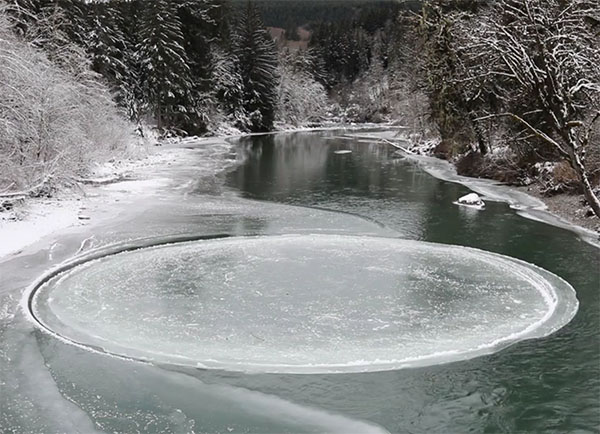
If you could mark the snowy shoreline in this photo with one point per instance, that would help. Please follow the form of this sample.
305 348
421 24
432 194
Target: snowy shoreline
525 202
38 218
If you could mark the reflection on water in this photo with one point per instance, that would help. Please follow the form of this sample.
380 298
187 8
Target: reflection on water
547 384
296 184
303 169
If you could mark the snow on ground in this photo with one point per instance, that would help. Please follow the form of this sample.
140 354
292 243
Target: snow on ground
141 172
125 178
38 218
564 211
41 218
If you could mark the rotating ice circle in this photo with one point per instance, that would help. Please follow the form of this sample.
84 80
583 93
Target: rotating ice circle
306 303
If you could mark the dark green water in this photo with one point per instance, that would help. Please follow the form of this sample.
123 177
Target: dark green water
544 385
296 184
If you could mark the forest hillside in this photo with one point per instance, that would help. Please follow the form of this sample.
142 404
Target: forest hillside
508 89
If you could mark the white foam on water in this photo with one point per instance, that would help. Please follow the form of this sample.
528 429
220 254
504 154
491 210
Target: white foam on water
303 303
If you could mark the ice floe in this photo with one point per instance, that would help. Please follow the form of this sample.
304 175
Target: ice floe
303 303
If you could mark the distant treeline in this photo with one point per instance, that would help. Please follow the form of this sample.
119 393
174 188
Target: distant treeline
477 74
181 63
285 13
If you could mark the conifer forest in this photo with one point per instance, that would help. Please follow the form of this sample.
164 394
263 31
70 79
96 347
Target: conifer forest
516 74
299 216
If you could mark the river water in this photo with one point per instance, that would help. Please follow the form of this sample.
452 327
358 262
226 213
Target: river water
289 208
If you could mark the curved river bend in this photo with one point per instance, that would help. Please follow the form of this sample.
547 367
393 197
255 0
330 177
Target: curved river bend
345 267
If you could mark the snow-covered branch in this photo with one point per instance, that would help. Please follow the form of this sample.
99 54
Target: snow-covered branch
53 121
544 57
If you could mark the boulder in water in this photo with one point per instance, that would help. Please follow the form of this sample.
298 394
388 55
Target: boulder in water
471 200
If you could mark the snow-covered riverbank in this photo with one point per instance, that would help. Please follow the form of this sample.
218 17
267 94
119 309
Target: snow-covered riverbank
37 218
130 179
118 180
564 211
201 191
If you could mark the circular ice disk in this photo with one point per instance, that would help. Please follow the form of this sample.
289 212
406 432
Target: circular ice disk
303 303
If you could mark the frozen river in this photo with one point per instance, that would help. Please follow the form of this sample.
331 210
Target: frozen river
278 284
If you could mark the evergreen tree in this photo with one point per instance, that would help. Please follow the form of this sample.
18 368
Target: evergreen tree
222 14
257 56
106 44
128 17
199 29
343 48
113 54
164 67
228 86
75 12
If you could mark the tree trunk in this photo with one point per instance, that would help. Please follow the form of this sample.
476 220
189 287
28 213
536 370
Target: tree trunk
593 201
480 135
588 191
159 117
